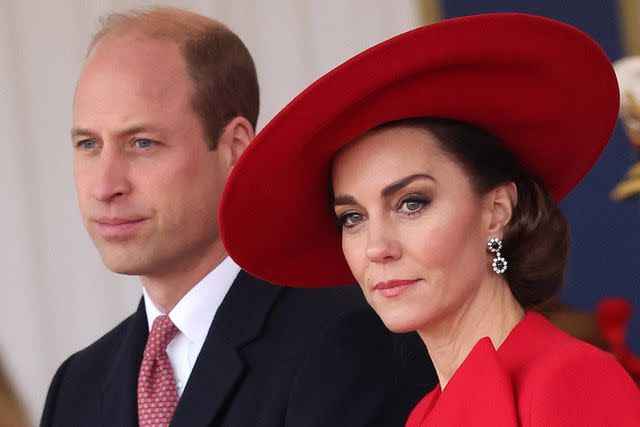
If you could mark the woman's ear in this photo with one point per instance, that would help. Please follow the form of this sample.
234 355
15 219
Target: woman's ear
235 137
501 202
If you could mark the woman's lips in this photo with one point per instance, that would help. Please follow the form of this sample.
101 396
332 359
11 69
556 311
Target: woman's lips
392 288
118 228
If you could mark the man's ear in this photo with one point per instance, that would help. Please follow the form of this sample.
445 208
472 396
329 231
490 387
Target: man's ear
501 202
235 137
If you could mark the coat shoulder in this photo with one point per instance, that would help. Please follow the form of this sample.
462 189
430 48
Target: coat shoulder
572 382
78 383
103 347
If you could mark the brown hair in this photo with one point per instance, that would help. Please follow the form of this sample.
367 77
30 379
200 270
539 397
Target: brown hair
11 411
219 64
536 240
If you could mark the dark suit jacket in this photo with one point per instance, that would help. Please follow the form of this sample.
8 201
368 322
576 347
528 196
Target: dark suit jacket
274 356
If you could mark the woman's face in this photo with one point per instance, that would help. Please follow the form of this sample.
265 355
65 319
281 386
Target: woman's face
414 232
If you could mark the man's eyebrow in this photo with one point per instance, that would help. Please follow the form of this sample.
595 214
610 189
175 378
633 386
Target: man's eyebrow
76 132
137 128
130 130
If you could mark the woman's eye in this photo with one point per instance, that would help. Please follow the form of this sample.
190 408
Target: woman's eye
411 206
144 143
351 219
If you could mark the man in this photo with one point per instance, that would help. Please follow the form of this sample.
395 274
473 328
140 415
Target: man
166 102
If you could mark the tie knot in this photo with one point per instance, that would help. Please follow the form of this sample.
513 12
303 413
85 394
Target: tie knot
162 332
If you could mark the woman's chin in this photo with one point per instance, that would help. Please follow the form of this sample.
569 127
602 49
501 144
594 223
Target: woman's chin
400 323
402 316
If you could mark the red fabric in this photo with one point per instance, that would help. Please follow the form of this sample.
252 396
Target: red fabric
157 392
540 376
613 315
543 87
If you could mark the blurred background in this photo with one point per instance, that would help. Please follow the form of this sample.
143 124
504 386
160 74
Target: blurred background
57 297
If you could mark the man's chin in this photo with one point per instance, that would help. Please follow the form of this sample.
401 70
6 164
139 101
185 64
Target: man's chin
126 266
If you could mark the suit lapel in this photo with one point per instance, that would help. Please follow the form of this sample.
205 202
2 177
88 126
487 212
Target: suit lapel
119 403
219 367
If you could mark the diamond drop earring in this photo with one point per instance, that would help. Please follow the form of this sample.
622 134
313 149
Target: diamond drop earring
499 264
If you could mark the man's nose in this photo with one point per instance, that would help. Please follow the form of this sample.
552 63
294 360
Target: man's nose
111 176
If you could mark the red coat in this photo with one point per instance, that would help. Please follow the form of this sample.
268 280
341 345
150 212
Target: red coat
541 377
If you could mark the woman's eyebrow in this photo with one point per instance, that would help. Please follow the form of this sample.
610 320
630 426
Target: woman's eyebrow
403 182
387 191
344 200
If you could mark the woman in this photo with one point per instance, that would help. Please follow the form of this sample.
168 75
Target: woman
441 154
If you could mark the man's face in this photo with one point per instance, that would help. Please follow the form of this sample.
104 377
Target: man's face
147 184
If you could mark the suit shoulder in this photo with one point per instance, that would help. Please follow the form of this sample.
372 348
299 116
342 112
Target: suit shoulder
344 342
327 302
339 320
78 380
107 342
93 360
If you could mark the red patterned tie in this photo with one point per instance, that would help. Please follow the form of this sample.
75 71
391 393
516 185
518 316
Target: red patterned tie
157 393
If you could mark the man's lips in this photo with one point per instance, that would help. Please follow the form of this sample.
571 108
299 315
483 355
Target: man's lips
392 288
116 227
116 220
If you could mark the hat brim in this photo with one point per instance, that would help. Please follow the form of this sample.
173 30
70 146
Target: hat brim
543 87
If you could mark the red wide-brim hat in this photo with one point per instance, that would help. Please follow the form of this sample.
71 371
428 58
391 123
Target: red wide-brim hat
543 87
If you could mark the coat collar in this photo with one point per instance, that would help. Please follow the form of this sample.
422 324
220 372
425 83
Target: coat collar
219 367
485 380
119 402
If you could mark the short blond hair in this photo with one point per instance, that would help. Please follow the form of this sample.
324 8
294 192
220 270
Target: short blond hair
218 63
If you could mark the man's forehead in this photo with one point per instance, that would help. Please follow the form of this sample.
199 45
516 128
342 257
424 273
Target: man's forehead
133 48
132 68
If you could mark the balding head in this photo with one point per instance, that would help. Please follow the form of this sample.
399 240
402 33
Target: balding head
221 69
157 23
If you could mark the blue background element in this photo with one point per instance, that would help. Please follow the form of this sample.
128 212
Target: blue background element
605 253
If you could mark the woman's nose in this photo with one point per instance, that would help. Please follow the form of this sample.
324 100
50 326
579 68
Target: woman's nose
382 246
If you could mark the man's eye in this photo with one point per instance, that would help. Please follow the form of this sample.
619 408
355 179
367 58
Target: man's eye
144 143
87 144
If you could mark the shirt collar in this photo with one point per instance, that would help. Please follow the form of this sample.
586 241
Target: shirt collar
195 311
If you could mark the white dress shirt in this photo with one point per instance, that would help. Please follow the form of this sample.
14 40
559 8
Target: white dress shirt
193 316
